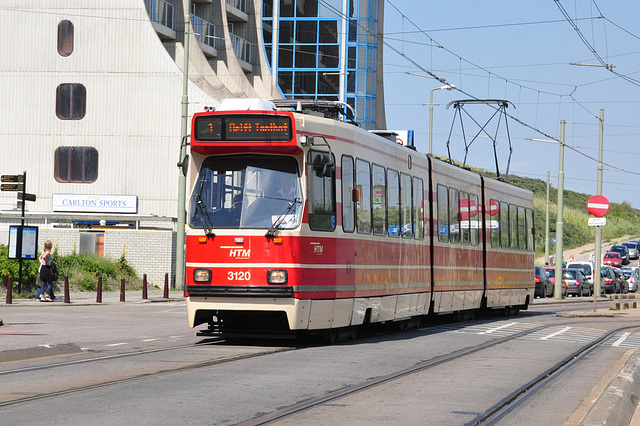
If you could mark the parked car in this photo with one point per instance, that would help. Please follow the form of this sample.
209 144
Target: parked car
544 286
610 281
634 249
577 283
624 284
587 268
633 276
551 273
624 252
612 258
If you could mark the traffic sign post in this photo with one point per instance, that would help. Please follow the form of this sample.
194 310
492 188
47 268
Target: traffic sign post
18 183
598 205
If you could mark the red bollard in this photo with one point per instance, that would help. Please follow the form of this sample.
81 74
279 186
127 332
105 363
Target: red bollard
67 298
144 286
166 286
122 289
9 290
99 290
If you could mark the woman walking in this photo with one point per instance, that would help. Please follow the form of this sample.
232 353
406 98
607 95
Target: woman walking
45 272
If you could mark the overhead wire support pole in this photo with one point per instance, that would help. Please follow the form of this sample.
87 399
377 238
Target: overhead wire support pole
598 244
182 179
557 292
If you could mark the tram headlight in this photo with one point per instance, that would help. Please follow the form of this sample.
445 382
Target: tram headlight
277 276
202 275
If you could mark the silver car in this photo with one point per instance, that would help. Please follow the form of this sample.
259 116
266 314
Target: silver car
634 250
633 277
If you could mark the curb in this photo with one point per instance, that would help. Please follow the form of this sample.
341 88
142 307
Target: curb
617 405
39 352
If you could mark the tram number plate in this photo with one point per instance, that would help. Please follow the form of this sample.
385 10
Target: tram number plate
239 275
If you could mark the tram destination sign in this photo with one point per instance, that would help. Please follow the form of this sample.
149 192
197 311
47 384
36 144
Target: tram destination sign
243 128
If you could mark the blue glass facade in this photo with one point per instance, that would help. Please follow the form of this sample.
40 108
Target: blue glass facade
325 49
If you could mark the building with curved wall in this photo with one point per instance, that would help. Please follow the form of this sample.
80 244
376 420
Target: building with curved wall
92 95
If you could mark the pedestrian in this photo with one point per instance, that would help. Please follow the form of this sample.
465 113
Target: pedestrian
45 272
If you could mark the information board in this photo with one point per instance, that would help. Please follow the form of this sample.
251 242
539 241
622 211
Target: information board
23 242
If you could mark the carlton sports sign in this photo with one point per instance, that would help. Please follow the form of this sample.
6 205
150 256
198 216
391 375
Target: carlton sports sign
598 205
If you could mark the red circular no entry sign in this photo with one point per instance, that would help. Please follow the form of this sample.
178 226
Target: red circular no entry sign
598 205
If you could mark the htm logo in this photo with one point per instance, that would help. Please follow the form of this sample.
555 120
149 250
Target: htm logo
240 253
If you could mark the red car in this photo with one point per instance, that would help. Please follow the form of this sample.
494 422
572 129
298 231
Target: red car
551 273
612 258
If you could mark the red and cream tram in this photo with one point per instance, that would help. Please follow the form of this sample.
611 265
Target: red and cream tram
299 222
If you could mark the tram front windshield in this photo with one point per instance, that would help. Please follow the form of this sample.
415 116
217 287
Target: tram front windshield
246 192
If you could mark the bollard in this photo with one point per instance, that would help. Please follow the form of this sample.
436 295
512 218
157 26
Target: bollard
122 289
166 285
99 290
9 290
144 286
67 298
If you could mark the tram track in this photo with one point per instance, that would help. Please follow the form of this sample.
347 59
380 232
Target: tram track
492 415
132 378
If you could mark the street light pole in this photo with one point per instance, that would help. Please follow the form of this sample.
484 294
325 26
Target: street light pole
559 220
448 87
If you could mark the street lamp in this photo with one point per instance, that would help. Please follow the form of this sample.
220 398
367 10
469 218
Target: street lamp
448 87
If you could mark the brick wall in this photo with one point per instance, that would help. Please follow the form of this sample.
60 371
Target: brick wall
150 252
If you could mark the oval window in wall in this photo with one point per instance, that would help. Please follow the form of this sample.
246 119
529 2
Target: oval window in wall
65 38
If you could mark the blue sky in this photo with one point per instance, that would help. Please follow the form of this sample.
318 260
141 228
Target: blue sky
521 52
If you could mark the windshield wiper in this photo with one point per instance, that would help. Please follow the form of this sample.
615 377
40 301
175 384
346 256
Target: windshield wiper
278 222
201 211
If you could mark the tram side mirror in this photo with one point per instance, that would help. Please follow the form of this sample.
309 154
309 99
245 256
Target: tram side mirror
184 165
355 195
327 169
318 164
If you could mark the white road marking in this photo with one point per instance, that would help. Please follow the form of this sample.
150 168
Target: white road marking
117 344
499 328
621 339
557 333
149 340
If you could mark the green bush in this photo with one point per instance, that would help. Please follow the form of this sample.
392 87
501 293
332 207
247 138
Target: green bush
82 271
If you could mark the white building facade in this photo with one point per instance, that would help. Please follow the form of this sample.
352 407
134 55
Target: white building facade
91 112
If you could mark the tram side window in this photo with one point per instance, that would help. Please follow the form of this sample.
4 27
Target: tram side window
363 203
464 215
443 213
379 199
521 229
405 202
321 188
530 228
504 224
454 221
474 219
418 208
393 202
348 224
494 222
513 226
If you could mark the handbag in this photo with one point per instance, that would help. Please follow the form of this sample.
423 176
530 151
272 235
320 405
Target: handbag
45 273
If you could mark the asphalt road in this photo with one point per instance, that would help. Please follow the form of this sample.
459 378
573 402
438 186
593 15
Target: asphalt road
139 363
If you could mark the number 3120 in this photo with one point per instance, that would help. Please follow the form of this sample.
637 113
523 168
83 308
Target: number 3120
239 276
